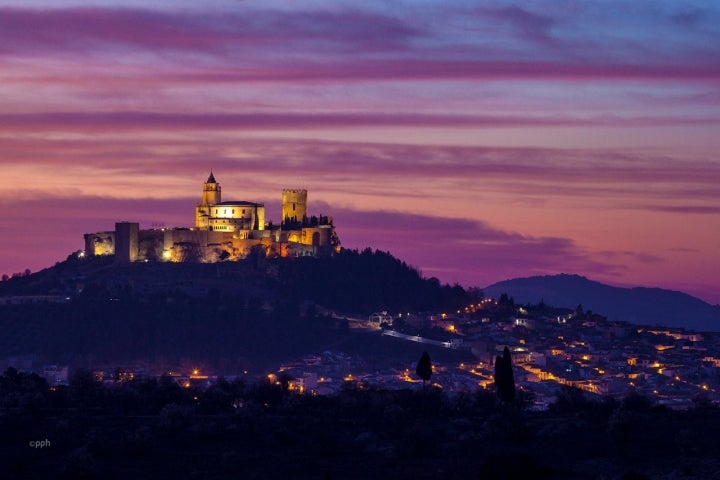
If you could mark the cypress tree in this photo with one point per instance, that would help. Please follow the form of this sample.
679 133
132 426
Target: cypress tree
424 368
504 378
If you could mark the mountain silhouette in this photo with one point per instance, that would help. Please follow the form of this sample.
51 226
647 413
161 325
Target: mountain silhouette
639 305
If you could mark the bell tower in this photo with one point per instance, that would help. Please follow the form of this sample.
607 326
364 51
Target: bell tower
211 191
210 196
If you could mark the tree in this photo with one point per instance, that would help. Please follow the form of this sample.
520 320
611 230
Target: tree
424 368
506 301
504 379
84 390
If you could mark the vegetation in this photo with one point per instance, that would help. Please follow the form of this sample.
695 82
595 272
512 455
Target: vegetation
504 379
234 314
98 327
153 428
424 368
367 281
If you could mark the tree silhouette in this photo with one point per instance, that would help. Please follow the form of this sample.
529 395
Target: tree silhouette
424 368
504 379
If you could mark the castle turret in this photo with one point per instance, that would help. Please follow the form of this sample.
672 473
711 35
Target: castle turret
294 205
126 242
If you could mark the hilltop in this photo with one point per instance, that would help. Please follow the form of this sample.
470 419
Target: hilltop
352 281
639 305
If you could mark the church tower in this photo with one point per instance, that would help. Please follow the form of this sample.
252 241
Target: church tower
210 196
211 191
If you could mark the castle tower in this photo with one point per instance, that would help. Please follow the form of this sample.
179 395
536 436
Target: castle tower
126 242
210 196
294 205
211 191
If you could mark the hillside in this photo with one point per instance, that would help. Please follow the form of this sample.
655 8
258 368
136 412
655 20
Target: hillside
642 306
231 314
353 281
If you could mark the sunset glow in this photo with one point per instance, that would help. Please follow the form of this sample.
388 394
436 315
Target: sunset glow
477 142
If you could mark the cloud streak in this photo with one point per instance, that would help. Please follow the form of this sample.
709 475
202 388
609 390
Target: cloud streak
134 121
463 250
350 45
624 180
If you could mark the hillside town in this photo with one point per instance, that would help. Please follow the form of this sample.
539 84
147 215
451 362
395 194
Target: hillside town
550 347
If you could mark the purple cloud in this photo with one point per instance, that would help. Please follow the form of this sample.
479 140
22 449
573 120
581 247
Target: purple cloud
461 250
620 180
138 120
352 45
73 30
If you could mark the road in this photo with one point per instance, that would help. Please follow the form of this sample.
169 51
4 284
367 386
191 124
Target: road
419 339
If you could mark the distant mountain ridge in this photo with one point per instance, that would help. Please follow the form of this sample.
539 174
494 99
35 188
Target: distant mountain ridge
639 305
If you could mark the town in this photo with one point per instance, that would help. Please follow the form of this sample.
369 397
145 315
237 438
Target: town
550 348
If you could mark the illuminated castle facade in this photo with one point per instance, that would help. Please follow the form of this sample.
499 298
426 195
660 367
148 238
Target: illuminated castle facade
214 214
224 230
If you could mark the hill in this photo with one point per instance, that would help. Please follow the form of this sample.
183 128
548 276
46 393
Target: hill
353 281
230 314
639 305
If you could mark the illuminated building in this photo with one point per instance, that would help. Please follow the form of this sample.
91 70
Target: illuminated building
224 230
214 214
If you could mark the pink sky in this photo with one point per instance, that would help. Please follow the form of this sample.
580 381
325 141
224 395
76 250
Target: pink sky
476 143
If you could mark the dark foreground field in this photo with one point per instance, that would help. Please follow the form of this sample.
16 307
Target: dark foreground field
155 429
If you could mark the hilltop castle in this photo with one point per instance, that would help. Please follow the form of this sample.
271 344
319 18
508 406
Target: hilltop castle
224 230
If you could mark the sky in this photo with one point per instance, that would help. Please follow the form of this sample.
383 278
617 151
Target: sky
477 141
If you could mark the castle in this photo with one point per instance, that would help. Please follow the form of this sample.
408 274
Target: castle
224 230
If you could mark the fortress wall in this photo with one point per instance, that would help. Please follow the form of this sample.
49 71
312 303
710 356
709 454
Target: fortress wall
258 234
291 236
151 244
317 236
202 216
300 250
205 245
99 243
230 249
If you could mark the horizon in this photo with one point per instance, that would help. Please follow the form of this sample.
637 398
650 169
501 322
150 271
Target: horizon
477 144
